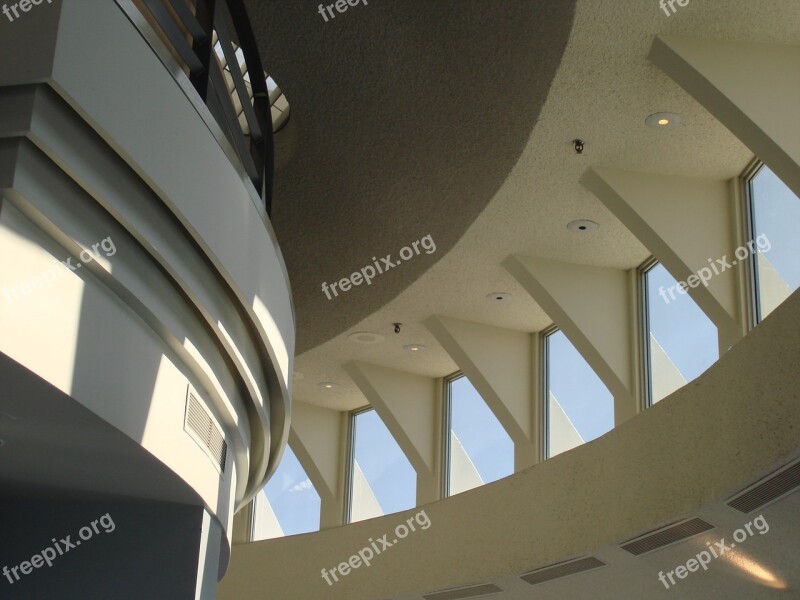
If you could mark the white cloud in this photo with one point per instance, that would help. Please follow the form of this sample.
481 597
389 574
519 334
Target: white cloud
302 486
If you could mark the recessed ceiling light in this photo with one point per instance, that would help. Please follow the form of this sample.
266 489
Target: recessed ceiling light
414 347
366 337
663 119
582 225
328 385
499 296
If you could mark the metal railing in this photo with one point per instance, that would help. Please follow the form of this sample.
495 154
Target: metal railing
214 44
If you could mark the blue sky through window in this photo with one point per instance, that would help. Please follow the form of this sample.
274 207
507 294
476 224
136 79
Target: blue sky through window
390 475
684 331
485 441
776 213
292 496
580 392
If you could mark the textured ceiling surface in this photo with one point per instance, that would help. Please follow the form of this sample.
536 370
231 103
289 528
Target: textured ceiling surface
604 89
407 117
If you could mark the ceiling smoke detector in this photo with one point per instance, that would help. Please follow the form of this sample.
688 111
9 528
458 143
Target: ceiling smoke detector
499 296
366 337
582 225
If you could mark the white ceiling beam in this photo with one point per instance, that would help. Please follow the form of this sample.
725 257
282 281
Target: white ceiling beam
690 226
500 364
318 437
595 308
752 89
409 406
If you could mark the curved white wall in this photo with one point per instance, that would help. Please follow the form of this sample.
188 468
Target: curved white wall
99 142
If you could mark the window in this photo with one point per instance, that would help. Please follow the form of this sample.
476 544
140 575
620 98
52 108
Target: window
681 341
579 406
288 504
279 106
382 481
478 448
775 215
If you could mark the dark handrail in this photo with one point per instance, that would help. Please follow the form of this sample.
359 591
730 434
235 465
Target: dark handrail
189 28
249 46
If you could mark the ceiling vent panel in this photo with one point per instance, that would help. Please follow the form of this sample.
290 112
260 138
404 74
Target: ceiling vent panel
473 591
562 569
202 427
769 489
666 536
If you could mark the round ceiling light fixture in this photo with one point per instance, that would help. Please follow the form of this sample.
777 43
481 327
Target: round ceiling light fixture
414 347
499 296
366 337
663 119
328 385
582 225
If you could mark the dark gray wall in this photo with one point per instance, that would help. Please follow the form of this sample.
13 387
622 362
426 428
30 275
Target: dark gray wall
151 553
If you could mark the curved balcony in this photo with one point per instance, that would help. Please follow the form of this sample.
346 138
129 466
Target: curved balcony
709 458
145 298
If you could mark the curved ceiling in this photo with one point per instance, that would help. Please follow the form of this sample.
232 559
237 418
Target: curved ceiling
407 117
604 89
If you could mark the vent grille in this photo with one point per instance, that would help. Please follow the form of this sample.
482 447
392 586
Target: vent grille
472 591
562 569
205 431
768 489
666 536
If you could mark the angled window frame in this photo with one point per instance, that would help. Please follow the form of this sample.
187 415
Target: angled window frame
544 365
351 460
447 424
643 331
751 294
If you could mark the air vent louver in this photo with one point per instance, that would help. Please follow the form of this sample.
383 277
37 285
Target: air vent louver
666 536
472 591
205 431
562 569
768 489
